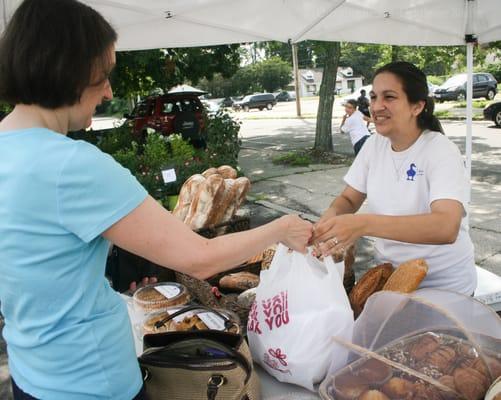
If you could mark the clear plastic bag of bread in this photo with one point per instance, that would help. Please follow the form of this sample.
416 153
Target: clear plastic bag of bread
430 344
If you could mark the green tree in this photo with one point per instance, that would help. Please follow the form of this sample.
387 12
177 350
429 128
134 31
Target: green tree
138 73
273 74
305 52
323 133
246 80
361 57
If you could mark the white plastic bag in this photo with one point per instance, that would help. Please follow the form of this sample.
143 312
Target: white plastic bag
300 304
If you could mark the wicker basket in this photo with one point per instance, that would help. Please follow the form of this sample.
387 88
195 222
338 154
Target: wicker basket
202 290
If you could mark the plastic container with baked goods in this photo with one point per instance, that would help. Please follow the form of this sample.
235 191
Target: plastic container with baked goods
160 296
431 344
189 318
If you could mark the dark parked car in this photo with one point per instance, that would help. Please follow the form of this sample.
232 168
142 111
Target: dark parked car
170 113
227 102
493 113
259 101
454 88
286 96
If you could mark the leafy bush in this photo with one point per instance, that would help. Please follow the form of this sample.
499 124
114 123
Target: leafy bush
116 139
223 143
146 161
495 70
436 79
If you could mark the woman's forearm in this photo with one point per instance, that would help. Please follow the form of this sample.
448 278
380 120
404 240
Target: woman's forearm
342 205
228 251
432 228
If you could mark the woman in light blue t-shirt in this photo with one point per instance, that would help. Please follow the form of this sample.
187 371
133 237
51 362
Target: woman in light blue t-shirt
62 202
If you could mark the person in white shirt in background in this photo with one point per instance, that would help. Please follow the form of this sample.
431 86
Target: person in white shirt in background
354 124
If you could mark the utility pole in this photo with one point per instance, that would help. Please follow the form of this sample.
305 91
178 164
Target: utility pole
296 78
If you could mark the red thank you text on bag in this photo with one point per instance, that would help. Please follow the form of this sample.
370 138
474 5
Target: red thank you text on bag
300 304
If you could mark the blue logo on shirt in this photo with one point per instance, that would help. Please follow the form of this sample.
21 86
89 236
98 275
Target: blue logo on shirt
411 172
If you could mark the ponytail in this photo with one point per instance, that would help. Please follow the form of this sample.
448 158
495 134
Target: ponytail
426 120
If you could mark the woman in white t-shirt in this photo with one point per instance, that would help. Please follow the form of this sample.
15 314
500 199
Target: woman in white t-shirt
414 180
354 123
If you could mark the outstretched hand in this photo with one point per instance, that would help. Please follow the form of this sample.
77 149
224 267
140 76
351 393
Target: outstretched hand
297 233
336 233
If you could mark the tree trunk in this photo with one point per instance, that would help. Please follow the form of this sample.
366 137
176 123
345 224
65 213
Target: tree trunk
395 53
323 133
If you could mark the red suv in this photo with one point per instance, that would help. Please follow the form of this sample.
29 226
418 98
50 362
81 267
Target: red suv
170 113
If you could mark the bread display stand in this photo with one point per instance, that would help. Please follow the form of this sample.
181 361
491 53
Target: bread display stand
271 388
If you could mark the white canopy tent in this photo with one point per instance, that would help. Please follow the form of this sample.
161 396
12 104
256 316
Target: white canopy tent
184 23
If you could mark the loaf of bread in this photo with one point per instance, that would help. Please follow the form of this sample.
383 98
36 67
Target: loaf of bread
190 187
242 186
207 197
209 172
239 281
372 281
227 200
227 172
407 276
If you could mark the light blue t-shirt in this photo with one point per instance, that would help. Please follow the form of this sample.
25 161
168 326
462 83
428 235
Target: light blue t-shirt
67 332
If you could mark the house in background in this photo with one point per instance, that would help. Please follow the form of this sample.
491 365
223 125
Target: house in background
310 80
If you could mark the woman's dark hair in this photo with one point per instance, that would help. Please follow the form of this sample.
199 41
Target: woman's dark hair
415 87
50 51
352 102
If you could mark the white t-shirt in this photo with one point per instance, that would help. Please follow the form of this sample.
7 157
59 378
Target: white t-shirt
406 183
356 127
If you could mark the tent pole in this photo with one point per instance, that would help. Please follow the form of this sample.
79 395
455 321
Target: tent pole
469 111
296 78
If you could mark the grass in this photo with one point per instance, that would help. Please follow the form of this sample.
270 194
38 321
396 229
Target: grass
293 159
444 114
303 158
475 104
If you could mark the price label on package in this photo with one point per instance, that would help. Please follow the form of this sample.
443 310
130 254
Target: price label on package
169 175
212 321
168 291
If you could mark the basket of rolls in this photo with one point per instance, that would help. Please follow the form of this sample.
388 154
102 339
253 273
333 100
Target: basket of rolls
430 344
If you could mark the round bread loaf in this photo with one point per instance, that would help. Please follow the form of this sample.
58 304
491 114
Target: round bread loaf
372 281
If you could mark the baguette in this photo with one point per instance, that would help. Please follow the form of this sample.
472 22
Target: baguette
407 276
186 194
372 281
207 197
